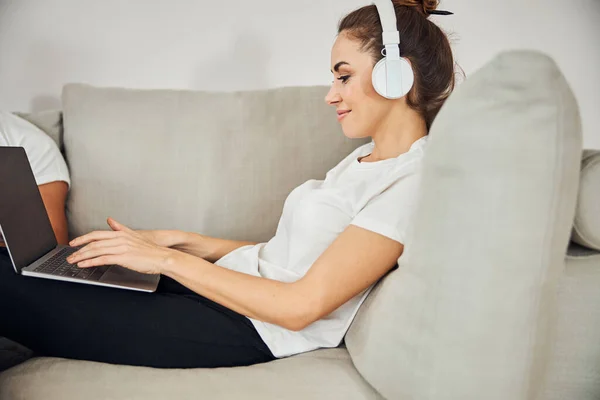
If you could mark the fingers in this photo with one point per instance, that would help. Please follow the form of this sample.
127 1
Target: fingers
95 249
102 260
117 226
93 236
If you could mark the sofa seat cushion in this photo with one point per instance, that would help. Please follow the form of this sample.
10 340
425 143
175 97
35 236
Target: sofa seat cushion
573 367
321 374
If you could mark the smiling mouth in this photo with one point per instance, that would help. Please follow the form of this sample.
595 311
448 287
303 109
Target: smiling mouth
342 115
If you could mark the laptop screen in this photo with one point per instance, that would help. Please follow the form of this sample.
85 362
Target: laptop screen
23 219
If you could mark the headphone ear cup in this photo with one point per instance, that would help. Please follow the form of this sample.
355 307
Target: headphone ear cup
401 78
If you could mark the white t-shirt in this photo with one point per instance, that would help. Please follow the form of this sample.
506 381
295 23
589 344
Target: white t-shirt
47 163
379 196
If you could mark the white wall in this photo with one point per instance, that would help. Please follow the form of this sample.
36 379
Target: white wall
199 44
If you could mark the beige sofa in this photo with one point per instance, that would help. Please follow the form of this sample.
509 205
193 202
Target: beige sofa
487 302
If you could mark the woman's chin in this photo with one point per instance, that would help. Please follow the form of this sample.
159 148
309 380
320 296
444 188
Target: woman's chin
347 134
351 133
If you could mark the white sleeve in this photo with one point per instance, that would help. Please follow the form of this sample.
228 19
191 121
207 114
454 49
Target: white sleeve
46 161
390 212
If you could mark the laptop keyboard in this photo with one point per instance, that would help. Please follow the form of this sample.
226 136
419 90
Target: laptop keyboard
58 265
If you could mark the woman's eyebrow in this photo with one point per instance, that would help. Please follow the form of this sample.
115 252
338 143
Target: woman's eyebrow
337 66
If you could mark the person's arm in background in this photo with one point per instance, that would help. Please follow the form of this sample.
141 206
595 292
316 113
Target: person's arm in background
47 164
54 195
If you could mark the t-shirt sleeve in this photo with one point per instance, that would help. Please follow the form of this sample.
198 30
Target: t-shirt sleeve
390 212
45 158
47 162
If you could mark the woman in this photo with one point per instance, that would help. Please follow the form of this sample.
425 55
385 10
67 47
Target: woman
229 303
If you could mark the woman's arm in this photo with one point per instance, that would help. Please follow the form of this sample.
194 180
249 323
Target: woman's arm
209 248
356 259
54 195
353 262
256 297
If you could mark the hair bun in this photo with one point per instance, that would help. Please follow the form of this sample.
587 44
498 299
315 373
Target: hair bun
423 6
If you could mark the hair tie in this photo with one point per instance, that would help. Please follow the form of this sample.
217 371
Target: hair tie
440 12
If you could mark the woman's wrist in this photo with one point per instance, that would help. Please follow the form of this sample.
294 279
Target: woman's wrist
170 261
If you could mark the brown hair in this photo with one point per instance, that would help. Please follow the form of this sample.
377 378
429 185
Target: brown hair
421 41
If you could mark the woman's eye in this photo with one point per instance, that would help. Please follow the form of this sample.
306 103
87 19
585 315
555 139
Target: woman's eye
344 78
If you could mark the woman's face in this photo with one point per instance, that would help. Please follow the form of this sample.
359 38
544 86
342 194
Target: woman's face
352 90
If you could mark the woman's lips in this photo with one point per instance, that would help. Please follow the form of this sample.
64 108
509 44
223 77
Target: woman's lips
342 115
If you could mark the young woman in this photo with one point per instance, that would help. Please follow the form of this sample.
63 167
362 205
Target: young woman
230 303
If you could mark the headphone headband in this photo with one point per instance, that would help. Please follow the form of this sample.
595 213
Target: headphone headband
392 76
387 15
390 36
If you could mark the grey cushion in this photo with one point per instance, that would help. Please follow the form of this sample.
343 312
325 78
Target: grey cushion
322 374
586 226
220 164
469 312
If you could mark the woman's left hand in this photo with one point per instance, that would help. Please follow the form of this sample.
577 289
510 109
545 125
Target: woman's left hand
122 246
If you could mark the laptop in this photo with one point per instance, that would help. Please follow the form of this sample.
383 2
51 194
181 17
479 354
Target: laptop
30 239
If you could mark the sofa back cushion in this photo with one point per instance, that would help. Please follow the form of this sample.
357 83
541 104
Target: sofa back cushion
586 226
469 312
219 164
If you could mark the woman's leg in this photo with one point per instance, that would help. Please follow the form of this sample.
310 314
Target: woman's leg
172 328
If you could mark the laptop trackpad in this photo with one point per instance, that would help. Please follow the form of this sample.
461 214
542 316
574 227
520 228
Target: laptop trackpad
117 275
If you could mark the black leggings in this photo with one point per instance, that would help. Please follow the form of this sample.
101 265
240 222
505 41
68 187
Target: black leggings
171 328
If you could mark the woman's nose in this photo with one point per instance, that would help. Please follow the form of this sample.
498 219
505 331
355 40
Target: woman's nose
332 97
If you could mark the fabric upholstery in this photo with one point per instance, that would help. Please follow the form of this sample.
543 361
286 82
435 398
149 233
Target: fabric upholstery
586 226
573 368
322 374
470 310
219 164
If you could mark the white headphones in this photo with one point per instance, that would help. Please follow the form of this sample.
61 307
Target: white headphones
392 76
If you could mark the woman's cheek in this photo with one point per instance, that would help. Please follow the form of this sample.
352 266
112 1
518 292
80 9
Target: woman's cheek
366 86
